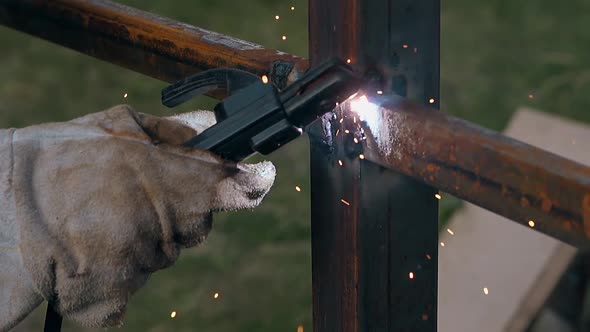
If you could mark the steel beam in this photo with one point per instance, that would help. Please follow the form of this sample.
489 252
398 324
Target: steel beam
531 186
146 43
374 231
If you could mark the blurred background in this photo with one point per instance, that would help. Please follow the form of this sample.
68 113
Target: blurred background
254 273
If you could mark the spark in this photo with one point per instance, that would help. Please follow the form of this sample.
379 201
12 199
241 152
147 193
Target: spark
428 257
532 223
347 60
486 291
173 314
438 196
300 327
347 131
345 202
340 162
431 100
361 156
379 92
450 231
405 45
277 17
264 79
125 95
284 37
297 188
337 131
216 295
356 140
354 119
341 120
531 96
442 244
411 275
292 7
352 96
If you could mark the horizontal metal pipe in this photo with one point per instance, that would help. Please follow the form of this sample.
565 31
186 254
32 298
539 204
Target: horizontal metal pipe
143 42
508 177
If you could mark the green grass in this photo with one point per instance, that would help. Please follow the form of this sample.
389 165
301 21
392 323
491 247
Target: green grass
494 54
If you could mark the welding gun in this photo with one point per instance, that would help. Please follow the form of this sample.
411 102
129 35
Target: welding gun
256 116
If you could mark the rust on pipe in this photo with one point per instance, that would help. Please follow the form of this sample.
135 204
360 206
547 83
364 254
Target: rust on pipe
143 42
506 176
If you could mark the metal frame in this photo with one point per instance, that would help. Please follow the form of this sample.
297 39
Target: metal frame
362 253
374 258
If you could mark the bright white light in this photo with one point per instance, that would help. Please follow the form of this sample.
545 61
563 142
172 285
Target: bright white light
366 110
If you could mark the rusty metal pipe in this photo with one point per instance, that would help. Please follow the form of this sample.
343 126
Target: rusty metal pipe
503 175
143 42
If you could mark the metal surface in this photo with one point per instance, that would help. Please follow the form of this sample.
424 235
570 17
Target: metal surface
503 175
374 232
153 45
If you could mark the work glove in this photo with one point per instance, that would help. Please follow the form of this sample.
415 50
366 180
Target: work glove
91 207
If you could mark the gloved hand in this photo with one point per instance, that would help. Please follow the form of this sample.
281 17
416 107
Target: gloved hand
91 207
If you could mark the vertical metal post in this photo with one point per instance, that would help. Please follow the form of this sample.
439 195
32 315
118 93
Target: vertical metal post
374 232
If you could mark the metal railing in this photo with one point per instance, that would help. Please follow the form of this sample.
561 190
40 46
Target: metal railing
360 249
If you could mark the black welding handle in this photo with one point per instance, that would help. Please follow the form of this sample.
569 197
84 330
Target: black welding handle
226 79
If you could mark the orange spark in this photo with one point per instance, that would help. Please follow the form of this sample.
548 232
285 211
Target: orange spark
264 79
345 202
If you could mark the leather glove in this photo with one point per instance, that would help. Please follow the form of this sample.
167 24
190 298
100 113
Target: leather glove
92 206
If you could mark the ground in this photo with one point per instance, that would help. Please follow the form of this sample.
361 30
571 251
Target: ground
496 55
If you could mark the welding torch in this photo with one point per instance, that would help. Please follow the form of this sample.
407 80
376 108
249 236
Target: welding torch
256 117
